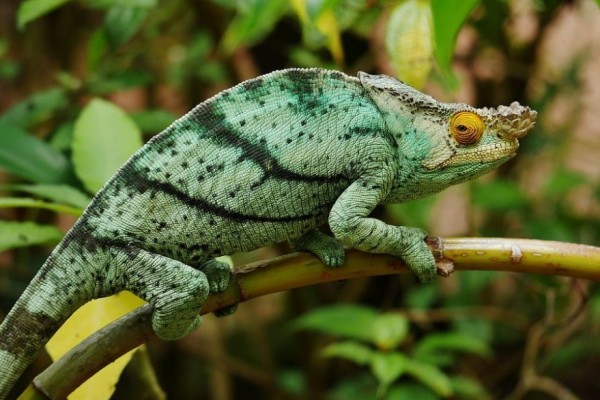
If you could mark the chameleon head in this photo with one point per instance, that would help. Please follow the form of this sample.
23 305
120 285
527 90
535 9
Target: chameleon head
480 136
452 141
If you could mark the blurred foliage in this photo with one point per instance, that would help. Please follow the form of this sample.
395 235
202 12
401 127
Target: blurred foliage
83 82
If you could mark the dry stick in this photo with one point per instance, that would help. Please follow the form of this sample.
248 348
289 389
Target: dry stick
299 269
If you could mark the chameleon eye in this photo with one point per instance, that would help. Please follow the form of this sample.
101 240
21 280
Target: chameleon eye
466 127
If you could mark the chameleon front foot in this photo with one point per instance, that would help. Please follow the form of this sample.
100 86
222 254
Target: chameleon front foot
327 248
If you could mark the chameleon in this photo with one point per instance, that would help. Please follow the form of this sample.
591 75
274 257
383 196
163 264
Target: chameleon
269 160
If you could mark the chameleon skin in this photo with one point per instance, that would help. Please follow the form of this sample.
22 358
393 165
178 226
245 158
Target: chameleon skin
268 160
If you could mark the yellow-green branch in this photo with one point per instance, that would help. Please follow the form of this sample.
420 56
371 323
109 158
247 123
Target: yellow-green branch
299 269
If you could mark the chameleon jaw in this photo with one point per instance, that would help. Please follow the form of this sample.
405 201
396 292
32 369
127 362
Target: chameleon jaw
498 152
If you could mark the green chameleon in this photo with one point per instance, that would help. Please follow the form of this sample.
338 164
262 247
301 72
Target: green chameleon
268 160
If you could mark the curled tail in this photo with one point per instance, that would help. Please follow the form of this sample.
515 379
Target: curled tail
61 286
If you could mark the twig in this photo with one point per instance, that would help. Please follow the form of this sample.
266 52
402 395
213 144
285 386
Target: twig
295 270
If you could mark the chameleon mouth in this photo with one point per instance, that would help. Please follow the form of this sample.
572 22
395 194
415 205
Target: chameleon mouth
498 152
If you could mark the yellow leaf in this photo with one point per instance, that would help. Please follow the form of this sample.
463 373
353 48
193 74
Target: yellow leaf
409 41
299 7
327 24
85 321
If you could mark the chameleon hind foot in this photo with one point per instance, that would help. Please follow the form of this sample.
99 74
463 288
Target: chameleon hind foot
177 292
219 275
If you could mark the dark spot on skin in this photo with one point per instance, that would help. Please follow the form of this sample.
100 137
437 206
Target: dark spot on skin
243 122
273 125
300 134
303 122
174 152
184 165
262 103
253 83
209 168
288 140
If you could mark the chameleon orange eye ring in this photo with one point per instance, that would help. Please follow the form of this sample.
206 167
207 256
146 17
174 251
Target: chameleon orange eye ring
466 127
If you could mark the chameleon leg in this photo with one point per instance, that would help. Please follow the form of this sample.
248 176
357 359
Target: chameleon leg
349 223
328 249
219 275
177 292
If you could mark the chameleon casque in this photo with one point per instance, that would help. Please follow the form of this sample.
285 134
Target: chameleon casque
266 161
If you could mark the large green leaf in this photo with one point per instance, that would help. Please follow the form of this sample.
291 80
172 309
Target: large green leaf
35 108
389 330
409 41
33 9
59 193
431 376
252 22
345 320
121 23
13 202
499 195
22 234
387 367
452 341
104 138
448 17
349 350
31 158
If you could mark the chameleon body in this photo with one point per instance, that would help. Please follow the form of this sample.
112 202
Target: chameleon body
266 161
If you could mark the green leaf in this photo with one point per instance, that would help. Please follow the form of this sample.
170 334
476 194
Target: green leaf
153 121
467 388
36 108
30 10
121 23
345 320
252 23
407 391
437 342
499 196
62 138
104 138
13 202
22 234
389 330
349 350
31 158
448 17
387 367
429 375
121 81
562 181
117 3
59 193
412 213
409 41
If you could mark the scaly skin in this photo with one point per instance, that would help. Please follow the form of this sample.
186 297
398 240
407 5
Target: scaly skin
266 161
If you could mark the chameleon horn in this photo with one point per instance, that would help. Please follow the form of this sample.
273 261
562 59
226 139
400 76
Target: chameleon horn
515 120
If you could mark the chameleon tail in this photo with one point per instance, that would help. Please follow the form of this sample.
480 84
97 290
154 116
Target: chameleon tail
51 297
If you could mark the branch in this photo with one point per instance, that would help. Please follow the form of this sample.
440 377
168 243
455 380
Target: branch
301 269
